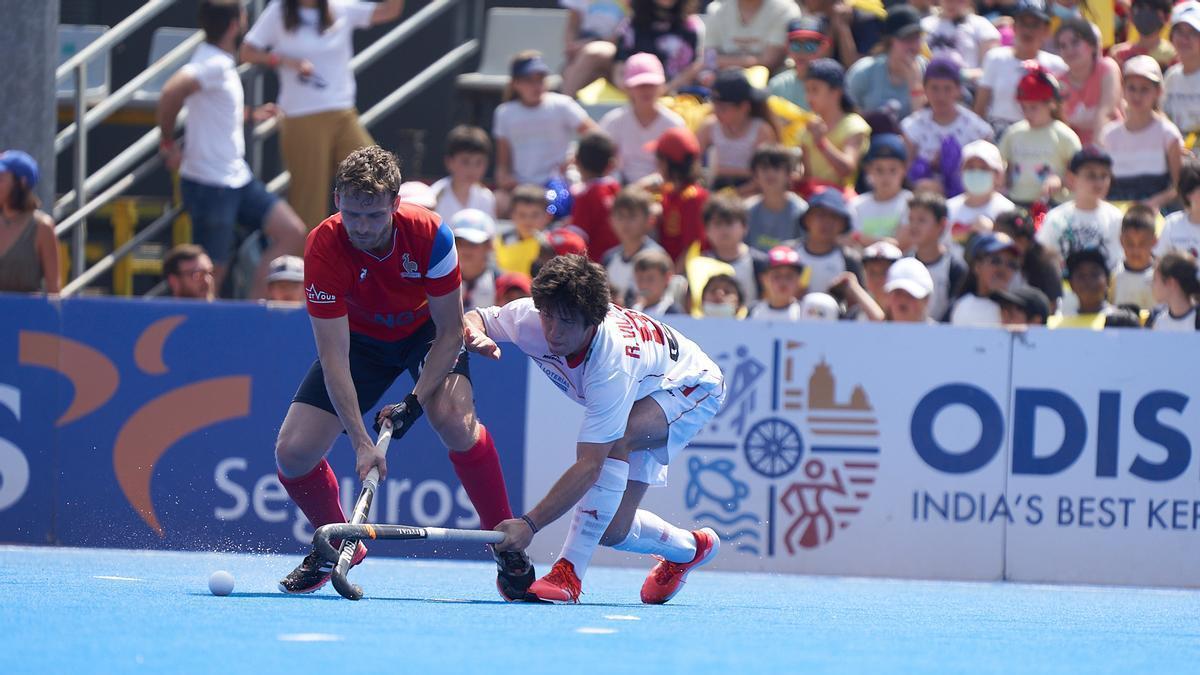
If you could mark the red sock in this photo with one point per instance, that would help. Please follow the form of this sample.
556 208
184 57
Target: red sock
317 495
479 471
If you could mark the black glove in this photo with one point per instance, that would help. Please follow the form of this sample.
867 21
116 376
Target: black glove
402 415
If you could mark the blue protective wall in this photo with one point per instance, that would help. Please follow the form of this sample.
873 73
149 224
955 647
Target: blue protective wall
152 425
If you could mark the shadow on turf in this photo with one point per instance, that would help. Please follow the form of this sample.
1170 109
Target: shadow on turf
441 601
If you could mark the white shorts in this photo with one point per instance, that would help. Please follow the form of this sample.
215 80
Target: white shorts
686 416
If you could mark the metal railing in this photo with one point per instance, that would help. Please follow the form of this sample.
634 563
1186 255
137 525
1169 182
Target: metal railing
115 178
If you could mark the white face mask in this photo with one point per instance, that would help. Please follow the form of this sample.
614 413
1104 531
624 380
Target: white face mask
978 182
719 310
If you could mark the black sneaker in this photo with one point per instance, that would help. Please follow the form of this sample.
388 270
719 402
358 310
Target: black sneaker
514 575
313 572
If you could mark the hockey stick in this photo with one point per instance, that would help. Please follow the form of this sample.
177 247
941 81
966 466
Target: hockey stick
362 507
401 532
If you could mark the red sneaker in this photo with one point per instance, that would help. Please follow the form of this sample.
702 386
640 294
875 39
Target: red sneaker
560 585
667 578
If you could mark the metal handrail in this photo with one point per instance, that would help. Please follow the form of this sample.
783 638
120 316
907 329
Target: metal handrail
149 141
120 97
113 35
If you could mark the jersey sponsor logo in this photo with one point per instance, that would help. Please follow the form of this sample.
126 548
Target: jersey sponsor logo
398 319
319 297
555 376
411 269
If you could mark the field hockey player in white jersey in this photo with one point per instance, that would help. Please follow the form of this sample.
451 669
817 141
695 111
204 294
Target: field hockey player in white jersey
647 391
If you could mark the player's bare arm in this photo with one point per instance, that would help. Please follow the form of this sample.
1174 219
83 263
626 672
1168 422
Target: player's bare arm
476 338
333 349
446 312
566 492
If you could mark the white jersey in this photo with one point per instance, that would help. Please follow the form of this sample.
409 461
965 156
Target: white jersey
630 357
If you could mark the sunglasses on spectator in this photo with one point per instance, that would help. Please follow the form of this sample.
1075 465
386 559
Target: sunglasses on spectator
805 46
1010 263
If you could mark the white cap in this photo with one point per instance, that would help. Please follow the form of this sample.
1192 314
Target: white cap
911 276
473 225
985 151
1144 65
882 250
819 307
1186 12
416 192
286 268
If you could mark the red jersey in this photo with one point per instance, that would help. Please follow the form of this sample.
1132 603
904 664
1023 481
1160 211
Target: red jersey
384 297
682 221
592 214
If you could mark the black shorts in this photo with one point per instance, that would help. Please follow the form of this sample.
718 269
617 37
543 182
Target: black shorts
374 366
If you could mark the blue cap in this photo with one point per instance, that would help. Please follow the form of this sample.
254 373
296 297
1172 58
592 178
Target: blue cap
1033 8
530 65
992 242
831 200
942 68
20 165
886 146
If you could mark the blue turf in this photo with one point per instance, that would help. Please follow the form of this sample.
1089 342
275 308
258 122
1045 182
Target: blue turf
422 617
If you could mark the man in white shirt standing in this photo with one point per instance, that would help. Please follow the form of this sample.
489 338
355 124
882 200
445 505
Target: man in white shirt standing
218 188
647 391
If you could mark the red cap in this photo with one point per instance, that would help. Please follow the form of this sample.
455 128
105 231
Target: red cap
784 256
1037 84
510 280
677 144
566 242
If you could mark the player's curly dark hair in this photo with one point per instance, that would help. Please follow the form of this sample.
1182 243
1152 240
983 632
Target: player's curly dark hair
571 284
369 171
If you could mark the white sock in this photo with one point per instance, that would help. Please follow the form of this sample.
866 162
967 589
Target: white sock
654 536
593 513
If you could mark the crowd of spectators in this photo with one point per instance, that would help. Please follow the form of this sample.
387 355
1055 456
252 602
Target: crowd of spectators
973 163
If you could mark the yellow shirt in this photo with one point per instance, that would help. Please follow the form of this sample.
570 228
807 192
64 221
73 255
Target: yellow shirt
819 168
514 254
1093 321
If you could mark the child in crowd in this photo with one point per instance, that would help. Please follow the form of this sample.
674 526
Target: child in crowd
474 231
725 230
680 223
773 215
833 142
467 151
961 34
1086 221
1039 266
1177 287
942 128
518 249
1181 232
631 212
864 302
1038 148
1148 17
1088 275
1133 281
827 219
881 213
590 213
908 288
668 31
927 215
993 265
781 285
722 298
652 272
739 123
1003 67
1091 95
1181 86
1022 307
533 128
643 120
807 41
1146 147
975 210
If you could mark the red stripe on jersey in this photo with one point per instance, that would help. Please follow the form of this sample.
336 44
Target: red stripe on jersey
385 298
